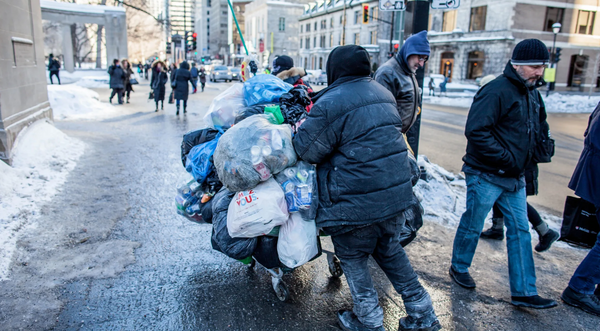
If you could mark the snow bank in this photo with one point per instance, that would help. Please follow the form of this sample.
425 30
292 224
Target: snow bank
71 102
94 81
91 78
43 157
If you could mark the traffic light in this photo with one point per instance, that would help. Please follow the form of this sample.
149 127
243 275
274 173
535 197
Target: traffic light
396 46
168 48
194 35
365 14
557 54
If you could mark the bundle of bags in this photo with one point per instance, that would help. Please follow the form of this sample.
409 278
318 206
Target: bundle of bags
263 201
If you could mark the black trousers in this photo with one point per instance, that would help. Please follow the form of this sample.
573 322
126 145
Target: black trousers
54 73
534 217
119 93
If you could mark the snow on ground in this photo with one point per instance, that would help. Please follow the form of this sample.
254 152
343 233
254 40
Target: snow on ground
43 157
85 76
71 102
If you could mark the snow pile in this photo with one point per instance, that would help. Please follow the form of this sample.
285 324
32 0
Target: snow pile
566 103
43 156
463 99
70 102
87 78
94 81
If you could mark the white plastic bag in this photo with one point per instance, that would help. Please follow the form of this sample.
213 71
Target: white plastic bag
225 107
297 242
256 212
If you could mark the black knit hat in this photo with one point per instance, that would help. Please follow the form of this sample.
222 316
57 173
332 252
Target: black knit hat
282 63
530 52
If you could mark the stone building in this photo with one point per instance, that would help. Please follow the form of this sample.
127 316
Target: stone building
272 29
477 39
323 27
23 91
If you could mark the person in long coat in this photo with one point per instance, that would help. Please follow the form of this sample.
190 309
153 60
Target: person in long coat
172 70
157 83
202 78
182 77
127 83
117 81
586 184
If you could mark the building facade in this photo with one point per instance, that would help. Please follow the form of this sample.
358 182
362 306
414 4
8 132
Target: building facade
477 39
327 24
272 29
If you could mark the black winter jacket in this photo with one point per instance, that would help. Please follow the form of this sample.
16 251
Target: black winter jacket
183 76
117 77
503 125
353 135
157 83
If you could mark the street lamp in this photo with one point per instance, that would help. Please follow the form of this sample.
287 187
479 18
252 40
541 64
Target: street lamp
556 29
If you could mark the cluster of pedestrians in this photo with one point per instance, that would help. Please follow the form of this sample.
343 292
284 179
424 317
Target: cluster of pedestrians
358 123
120 82
180 79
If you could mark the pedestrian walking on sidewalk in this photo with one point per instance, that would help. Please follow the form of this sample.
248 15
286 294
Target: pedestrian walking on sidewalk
443 87
502 130
53 68
398 75
586 183
117 81
158 82
202 78
362 195
127 82
194 73
431 87
179 82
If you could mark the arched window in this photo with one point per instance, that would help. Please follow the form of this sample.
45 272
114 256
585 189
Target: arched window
447 64
475 64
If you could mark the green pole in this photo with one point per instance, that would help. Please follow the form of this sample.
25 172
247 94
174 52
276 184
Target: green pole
238 26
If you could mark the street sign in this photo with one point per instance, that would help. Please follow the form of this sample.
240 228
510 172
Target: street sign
392 5
445 4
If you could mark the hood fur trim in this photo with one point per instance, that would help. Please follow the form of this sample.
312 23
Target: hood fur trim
295 71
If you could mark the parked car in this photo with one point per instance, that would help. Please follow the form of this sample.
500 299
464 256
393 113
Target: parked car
321 79
220 73
236 73
313 75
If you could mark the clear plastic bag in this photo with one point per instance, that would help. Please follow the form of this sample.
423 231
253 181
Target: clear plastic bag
188 199
297 242
299 183
264 89
257 211
225 107
253 150
199 160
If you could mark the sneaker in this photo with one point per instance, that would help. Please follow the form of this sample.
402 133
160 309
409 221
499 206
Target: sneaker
493 233
546 241
463 279
427 323
590 303
534 301
349 322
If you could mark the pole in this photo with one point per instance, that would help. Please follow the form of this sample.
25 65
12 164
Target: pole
420 22
238 26
343 41
392 30
552 61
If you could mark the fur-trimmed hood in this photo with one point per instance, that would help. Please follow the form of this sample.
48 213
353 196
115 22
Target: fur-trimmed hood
292 72
157 62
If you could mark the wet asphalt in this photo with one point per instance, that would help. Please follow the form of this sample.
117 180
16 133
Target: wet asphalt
109 252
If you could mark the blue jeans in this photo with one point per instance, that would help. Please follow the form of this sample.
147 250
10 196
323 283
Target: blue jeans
382 241
587 276
481 195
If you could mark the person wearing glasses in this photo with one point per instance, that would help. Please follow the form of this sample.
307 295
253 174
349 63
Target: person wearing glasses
398 75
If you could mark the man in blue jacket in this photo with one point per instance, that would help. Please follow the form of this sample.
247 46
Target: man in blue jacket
586 184
398 75
353 134
502 128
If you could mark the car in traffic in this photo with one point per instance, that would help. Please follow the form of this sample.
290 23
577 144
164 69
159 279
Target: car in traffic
236 73
220 73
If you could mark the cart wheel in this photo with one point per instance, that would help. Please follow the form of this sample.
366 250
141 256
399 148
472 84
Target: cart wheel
282 292
335 267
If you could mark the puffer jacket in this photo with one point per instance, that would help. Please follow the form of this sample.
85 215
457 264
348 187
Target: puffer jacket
353 134
117 77
503 125
586 177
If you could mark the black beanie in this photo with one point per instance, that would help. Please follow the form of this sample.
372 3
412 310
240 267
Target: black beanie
282 63
530 52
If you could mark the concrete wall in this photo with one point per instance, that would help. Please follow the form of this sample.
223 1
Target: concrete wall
23 91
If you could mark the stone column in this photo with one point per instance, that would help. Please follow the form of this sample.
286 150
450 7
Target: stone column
116 36
67 48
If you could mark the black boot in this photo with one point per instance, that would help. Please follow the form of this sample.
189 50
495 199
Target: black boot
546 241
534 301
463 279
588 303
184 110
496 232
349 322
425 323
177 112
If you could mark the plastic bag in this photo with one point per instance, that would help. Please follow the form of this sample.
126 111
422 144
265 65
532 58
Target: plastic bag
297 242
249 111
253 150
257 211
264 89
235 248
225 107
199 160
266 252
299 184
294 104
413 221
188 199
195 138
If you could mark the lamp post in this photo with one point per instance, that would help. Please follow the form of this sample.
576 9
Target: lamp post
556 29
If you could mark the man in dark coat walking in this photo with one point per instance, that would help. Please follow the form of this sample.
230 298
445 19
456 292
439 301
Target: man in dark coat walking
353 134
398 75
117 81
586 184
53 68
502 129
180 78
194 73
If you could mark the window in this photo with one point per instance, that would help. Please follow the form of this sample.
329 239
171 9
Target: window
315 42
356 39
320 63
373 14
478 18
307 43
307 27
331 40
475 64
315 26
341 19
585 22
356 16
373 38
577 71
223 25
323 39
449 21
301 28
323 24
282 24
208 3
553 15
301 43
224 12
331 24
